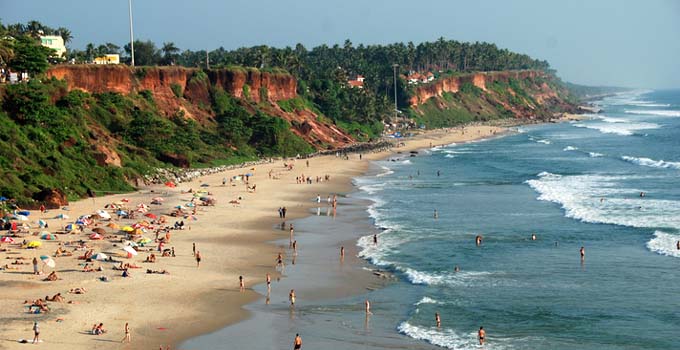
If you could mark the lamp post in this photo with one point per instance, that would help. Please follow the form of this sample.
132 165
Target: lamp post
132 38
394 66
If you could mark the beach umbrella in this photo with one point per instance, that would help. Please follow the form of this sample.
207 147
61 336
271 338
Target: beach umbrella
124 200
138 232
33 244
142 210
130 250
6 239
24 213
100 256
113 225
150 215
111 206
42 223
48 236
103 214
121 212
144 240
70 227
61 216
191 217
170 184
47 261
96 236
127 229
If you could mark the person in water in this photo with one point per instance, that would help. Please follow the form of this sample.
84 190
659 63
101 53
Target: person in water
297 343
583 253
533 236
478 240
481 334
436 215
438 319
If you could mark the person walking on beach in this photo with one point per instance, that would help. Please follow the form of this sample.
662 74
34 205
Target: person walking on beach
297 343
367 305
126 338
35 266
438 319
279 261
241 284
342 251
481 334
269 282
36 332
193 253
318 198
283 212
295 248
198 259
292 232
291 297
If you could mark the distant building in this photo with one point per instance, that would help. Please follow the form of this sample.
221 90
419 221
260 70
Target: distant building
54 42
357 83
108 59
415 78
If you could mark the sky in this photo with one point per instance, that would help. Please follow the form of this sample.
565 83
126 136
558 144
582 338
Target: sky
594 42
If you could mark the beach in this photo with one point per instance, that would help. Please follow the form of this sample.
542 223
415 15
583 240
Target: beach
234 238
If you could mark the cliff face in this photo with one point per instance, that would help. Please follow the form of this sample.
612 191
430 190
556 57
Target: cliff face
194 93
452 84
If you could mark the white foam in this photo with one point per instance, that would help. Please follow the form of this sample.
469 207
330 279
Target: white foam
445 337
618 128
603 199
652 163
595 154
386 171
665 244
642 103
658 112
428 300
570 148
545 142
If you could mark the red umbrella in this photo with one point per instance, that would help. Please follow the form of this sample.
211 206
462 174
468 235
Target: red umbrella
6 240
150 215
96 236
170 184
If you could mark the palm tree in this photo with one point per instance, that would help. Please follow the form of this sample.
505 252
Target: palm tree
170 52
65 34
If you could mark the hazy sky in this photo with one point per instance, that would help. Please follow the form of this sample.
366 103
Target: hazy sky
597 42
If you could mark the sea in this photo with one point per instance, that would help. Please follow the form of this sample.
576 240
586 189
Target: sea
609 184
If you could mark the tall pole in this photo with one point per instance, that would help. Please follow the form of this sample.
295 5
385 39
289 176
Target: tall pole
395 89
207 60
132 36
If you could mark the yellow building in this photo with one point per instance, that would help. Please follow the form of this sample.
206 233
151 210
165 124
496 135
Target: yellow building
54 42
108 59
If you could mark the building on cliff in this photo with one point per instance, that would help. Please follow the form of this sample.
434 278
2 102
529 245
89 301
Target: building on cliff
108 59
54 42
357 83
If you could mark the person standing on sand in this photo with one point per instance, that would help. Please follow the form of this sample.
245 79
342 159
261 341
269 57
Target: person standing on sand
481 335
283 212
36 332
35 266
241 284
291 297
367 306
269 282
438 319
198 259
297 343
194 249
342 252
127 333
295 247
318 198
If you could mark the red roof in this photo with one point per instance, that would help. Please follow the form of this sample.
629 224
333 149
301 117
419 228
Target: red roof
355 83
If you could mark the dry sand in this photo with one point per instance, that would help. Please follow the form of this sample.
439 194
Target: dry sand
164 309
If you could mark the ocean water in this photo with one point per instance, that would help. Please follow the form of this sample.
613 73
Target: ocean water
572 184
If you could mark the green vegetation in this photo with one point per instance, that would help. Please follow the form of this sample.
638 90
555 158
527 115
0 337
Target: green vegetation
176 90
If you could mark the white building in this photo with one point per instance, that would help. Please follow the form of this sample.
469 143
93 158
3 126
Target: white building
54 42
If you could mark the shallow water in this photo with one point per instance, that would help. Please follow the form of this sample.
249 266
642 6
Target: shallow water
573 184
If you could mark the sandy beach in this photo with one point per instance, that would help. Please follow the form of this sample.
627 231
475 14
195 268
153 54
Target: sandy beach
164 309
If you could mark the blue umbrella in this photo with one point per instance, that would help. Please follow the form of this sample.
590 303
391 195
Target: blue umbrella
24 213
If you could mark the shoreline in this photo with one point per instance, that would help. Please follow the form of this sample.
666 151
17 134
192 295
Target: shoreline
153 304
